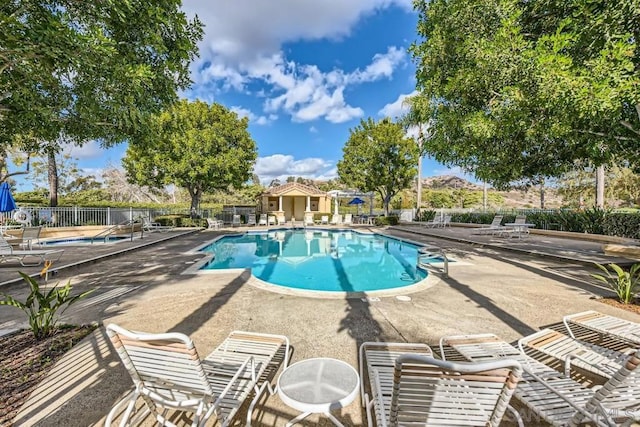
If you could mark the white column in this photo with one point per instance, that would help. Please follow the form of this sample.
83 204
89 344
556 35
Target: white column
280 203
335 208
308 204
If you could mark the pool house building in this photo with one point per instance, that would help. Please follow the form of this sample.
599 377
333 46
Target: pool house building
294 200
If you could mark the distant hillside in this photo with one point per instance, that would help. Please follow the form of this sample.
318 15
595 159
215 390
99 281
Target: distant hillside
512 198
448 182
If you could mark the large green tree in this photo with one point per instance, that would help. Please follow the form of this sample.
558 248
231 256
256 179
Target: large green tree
379 157
520 90
88 70
193 145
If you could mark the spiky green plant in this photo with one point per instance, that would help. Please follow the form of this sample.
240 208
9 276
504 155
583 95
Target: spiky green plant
623 283
44 308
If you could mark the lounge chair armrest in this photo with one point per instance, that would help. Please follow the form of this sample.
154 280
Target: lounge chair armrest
570 402
223 393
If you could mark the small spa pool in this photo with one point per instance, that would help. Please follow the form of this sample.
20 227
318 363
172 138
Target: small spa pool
321 260
82 240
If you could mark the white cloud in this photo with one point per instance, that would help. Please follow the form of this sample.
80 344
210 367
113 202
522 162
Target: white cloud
242 44
398 107
88 150
243 112
313 129
280 166
261 120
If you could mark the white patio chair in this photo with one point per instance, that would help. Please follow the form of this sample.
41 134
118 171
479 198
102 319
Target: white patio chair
324 220
251 220
272 220
263 219
214 223
604 324
496 225
281 219
336 219
236 221
348 219
558 400
518 228
29 236
7 252
308 219
167 373
409 387
148 225
592 358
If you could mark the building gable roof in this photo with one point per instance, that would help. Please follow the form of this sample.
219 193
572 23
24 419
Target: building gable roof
294 187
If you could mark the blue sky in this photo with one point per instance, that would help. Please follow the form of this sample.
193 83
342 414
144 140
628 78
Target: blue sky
304 72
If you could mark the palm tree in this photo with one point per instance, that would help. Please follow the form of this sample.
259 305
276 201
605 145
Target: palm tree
420 117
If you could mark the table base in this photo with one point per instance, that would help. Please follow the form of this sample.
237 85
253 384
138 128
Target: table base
301 417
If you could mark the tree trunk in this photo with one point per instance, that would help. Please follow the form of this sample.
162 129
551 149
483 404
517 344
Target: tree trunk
195 194
542 201
419 189
600 187
53 178
484 196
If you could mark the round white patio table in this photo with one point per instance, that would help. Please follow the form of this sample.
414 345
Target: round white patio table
317 386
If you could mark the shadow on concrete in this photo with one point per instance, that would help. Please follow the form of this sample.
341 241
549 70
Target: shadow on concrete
486 303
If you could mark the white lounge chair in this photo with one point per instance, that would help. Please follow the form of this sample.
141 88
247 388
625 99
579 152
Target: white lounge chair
308 219
592 358
336 219
281 219
348 219
437 221
263 219
236 221
496 225
168 374
251 220
28 237
559 400
604 324
324 220
409 387
148 225
214 223
272 220
7 252
518 228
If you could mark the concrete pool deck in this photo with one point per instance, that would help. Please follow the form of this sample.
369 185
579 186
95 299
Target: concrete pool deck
494 289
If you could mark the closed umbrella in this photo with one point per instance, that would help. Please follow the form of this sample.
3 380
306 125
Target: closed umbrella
7 204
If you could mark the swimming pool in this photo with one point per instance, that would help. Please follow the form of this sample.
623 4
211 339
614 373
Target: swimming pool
337 261
83 240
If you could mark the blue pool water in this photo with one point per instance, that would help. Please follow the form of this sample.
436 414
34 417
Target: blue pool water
321 260
83 240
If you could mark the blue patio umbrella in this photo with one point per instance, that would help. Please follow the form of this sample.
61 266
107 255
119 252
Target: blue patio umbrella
356 201
7 204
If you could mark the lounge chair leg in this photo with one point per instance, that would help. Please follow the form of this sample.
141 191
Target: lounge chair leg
298 419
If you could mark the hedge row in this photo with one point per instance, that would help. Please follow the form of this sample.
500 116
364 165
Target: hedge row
594 221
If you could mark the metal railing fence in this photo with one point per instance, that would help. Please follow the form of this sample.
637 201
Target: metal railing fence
78 216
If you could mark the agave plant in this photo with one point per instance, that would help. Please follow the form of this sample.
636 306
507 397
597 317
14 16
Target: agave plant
44 308
623 283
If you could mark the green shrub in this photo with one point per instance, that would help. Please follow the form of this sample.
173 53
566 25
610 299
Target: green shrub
387 220
42 308
623 283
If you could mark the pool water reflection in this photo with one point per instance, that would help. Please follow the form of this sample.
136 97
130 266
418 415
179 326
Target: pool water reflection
324 260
